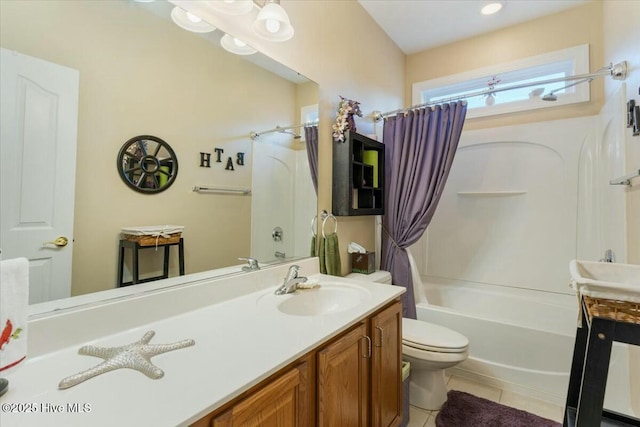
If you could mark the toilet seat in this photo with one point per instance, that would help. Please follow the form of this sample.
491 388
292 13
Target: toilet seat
426 336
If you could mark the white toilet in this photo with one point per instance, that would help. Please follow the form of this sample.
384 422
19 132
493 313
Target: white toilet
430 349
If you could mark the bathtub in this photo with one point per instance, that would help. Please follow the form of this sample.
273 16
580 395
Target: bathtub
511 344
519 339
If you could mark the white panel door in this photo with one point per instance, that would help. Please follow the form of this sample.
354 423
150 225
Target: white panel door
272 204
39 109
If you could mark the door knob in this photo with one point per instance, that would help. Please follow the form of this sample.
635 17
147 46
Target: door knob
59 242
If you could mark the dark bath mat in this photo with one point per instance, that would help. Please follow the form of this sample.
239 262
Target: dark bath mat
466 410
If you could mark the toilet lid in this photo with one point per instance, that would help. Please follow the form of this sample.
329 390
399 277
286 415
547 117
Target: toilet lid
430 337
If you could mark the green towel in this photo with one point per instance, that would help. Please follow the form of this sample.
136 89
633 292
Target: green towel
331 255
323 264
313 246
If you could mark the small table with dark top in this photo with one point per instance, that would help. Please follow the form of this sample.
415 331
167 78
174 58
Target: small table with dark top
135 248
591 354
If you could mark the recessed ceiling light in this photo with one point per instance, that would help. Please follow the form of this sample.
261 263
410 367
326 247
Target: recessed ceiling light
491 8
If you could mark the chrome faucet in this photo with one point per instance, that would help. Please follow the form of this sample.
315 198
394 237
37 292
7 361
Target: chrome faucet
252 264
609 256
290 283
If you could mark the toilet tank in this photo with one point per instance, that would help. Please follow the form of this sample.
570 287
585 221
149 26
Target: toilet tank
378 276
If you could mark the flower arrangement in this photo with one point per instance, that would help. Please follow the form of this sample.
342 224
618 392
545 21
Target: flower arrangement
493 82
490 97
344 119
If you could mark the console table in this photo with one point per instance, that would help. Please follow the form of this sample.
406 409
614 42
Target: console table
590 365
135 248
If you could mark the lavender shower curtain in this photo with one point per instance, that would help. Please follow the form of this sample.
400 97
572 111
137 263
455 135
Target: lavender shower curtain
419 151
311 138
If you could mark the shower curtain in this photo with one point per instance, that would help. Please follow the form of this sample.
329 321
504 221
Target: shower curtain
419 150
311 139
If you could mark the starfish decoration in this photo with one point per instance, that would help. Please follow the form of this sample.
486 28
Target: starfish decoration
134 356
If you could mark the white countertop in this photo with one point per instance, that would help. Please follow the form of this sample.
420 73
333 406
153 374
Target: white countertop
239 342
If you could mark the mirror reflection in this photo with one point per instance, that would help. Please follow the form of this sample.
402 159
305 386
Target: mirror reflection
137 73
147 164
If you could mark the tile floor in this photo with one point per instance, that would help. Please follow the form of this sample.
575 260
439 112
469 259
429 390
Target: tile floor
421 418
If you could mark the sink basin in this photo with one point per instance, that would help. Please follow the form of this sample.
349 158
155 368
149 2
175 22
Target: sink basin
606 280
323 300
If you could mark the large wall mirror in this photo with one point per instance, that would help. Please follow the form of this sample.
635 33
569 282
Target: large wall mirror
140 74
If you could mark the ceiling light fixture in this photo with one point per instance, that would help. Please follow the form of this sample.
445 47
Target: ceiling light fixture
190 22
491 8
272 23
237 46
232 7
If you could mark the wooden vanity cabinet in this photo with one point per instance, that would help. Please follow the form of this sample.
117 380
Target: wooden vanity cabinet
279 403
386 367
343 380
285 399
355 380
360 374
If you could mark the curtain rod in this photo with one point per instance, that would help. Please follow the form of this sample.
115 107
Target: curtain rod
255 135
617 72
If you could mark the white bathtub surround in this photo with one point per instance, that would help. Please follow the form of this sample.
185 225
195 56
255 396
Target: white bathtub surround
495 259
510 343
239 342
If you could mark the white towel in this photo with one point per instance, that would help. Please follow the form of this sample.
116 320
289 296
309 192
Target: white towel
14 298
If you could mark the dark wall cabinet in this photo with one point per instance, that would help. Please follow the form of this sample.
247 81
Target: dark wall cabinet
358 176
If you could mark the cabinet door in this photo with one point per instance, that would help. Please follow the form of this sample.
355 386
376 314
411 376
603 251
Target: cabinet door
343 368
386 361
281 403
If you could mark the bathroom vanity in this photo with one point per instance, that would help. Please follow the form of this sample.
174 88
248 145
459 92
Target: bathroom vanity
331 381
256 356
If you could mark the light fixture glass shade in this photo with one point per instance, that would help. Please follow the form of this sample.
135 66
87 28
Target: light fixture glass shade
190 22
272 23
491 8
234 45
232 7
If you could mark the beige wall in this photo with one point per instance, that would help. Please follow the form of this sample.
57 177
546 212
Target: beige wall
141 74
577 26
611 30
339 46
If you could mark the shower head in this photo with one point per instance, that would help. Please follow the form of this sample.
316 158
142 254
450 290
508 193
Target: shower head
295 135
551 96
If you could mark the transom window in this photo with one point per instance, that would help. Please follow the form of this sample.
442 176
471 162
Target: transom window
559 64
